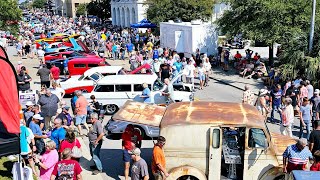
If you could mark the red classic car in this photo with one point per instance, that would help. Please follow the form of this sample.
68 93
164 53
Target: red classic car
68 54
78 66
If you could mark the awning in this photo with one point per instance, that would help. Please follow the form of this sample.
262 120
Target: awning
9 103
144 24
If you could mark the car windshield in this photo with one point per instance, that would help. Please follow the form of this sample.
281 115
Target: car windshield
95 76
258 137
75 54
157 85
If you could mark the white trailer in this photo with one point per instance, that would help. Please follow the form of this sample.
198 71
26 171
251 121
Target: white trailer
186 37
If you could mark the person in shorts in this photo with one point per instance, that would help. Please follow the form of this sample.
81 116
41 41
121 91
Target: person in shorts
127 145
65 66
81 111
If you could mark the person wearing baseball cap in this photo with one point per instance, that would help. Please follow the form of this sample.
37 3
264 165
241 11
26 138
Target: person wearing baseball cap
314 101
65 116
28 113
158 164
139 168
38 136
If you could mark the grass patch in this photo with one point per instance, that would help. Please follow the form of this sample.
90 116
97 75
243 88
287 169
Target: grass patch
5 168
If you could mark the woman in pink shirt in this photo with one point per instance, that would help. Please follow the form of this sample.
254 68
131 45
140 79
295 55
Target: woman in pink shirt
303 91
47 161
139 57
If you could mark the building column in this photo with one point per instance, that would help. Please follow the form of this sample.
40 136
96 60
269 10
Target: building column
113 15
125 17
118 17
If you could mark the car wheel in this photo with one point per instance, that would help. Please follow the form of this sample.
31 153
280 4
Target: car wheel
141 131
237 46
111 109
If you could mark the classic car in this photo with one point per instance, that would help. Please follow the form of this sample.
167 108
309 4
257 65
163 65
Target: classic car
87 80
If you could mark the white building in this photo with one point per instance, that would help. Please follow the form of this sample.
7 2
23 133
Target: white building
68 7
186 37
126 12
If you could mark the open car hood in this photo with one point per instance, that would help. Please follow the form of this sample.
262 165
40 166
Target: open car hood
140 113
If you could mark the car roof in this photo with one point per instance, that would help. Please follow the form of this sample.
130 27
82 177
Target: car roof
86 60
103 69
213 113
128 79
66 52
56 43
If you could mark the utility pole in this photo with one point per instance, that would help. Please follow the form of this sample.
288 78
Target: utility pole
312 25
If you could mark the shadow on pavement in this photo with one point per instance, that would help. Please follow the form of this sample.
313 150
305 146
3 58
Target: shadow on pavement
85 163
113 164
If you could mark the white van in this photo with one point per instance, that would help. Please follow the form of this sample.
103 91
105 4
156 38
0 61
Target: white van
113 91
86 81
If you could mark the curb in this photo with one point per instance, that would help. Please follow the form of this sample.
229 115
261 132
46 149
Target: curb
86 174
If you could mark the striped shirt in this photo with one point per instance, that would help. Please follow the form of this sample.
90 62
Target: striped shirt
297 156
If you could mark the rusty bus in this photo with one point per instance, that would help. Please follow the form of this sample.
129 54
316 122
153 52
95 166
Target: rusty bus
213 140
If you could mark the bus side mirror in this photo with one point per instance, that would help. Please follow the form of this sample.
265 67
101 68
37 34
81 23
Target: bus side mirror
216 138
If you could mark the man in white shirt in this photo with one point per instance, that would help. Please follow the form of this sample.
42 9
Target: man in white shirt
156 66
41 53
58 91
190 71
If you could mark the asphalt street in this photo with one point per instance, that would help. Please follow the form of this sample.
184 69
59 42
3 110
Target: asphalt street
111 153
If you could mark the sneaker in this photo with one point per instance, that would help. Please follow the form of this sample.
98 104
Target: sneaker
96 172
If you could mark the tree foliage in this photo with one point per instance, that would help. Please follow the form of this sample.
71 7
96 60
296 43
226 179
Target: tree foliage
10 14
81 10
101 8
266 20
286 22
186 10
38 3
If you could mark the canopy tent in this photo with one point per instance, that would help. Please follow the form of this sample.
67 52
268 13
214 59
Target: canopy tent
9 108
145 23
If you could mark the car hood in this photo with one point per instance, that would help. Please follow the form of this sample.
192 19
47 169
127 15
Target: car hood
68 82
281 142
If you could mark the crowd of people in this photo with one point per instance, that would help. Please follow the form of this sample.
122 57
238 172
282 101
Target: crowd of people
50 129
298 99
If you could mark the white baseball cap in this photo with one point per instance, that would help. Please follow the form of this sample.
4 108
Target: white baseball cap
29 103
37 116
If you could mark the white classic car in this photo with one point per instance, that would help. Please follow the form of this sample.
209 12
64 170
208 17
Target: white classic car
113 91
86 82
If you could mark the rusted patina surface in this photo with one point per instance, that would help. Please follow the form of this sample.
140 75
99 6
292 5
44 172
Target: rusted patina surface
218 113
140 113
281 142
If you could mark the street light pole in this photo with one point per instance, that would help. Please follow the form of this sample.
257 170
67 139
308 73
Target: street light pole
312 25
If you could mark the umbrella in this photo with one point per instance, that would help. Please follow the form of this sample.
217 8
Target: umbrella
145 23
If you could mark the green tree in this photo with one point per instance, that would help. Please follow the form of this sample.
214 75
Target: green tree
10 14
38 3
286 22
101 8
81 10
186 10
